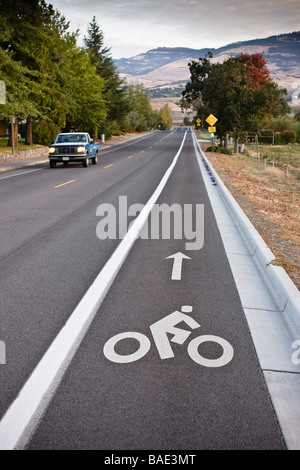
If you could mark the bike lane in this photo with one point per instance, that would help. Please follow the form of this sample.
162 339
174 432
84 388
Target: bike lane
184 373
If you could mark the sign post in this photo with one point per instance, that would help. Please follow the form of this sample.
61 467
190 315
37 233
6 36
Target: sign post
211 120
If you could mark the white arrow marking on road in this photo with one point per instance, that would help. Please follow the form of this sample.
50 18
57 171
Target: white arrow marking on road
177 265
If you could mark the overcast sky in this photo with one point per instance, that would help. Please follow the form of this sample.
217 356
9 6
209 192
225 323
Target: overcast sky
131 27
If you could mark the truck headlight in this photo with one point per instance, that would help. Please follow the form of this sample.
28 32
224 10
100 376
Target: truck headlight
52 150
81 149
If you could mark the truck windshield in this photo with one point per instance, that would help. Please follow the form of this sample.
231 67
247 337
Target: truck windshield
70 138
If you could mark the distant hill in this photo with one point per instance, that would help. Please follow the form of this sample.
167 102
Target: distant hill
167 68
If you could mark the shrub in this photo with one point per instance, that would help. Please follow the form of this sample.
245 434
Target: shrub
296 127
219 149
288 137
44 132
111 128
277 138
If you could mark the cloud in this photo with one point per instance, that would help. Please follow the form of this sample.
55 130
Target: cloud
147 24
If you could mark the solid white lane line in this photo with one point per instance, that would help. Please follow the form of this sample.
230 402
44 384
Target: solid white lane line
20 174
124 144
22 417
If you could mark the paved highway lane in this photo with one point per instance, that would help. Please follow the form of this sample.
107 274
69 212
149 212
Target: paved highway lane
50 251
34 199
184 373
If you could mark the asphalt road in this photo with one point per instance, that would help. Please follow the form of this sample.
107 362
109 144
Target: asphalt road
190 380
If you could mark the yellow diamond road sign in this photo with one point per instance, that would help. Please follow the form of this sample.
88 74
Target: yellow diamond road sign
211 120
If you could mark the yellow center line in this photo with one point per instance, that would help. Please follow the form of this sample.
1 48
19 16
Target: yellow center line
63 184
130 156
142 151
109 165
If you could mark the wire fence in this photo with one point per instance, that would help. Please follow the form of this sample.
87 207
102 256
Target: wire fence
285 157
263 149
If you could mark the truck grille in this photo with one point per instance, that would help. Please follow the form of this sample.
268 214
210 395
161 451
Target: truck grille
67 150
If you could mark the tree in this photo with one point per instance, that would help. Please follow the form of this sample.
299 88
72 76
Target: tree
114 92
62 87
19 88
56 85
18 19
166 117
100 57
83 89
239 92
33 28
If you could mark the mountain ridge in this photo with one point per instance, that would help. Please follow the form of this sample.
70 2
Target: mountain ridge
168 67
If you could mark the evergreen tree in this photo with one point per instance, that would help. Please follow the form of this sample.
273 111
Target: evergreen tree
56 94
114 88
21 21
100 55
56 85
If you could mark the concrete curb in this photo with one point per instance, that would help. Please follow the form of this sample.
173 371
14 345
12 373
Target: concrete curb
282 289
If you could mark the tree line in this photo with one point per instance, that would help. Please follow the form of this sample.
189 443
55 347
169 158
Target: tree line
238 91
55 85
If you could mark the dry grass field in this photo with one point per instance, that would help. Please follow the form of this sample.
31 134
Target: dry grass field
271 199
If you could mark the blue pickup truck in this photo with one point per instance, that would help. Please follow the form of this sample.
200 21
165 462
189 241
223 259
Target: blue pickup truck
73 147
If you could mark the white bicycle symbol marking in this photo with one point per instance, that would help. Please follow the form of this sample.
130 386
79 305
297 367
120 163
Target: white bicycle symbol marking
160 331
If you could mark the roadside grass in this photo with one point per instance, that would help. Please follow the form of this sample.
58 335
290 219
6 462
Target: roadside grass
205 135
4 149
270 196
286 154
281 154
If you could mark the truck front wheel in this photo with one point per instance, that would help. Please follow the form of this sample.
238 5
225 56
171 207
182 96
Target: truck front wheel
95 159
85 162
